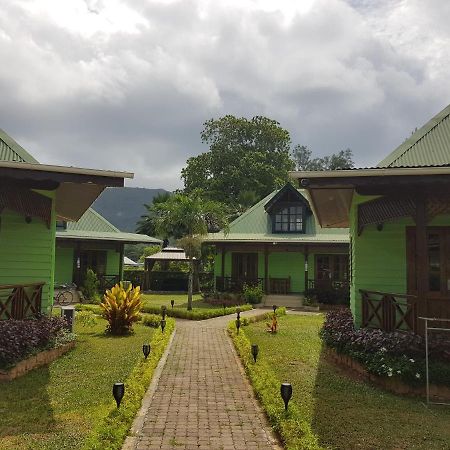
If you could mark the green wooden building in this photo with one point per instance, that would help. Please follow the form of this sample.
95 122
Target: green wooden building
92 242
33 197
399 219
279 244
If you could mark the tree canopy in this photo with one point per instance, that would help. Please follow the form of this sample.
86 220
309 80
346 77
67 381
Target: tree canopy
304 161
247 159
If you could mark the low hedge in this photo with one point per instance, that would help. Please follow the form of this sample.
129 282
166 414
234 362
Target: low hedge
293 429
111 432
195 314
399 354
21 338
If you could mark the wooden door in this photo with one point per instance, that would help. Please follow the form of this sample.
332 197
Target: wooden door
244 266
437 295
331 270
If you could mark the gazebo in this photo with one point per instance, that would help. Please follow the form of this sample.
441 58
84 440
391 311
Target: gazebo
165 280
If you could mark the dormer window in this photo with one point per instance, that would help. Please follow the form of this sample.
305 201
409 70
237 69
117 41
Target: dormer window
288 219
288 210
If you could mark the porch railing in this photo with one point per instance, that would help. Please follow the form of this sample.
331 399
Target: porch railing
328 284
231 284
389 312
18 301
107 281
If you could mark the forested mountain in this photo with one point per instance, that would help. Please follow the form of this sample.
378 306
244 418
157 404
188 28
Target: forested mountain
123 207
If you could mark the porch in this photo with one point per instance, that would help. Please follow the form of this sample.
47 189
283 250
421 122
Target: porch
19 301
400 312
269 286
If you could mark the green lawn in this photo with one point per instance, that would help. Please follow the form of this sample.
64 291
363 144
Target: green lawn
180 300
343 413
56 407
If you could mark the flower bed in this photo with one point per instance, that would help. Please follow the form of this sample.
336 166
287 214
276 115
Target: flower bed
23 338
398 355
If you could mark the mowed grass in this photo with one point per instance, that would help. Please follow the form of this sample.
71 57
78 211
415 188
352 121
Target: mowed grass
180 301
343 413
57 406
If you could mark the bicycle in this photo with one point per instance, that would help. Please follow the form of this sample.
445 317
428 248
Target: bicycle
64 296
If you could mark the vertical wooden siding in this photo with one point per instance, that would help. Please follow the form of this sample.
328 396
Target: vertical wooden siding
27 252
64 265
112 262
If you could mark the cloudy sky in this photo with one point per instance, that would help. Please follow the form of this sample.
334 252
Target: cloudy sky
127 84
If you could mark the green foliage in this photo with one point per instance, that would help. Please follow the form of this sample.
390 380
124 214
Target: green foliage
253 293
247 159
303 159
293 427
196 314
86 319
90 286
91 308
147 223
121 308
134 251
281 311
149 251
111 432
152 320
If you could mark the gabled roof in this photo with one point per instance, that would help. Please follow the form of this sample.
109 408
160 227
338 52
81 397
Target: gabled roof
10 150
287 191
255 226
94 227
91 220
428 146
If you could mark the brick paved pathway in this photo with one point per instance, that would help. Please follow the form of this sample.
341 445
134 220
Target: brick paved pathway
202 400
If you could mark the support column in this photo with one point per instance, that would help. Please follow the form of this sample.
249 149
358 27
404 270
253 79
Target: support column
266 269
421 255
306 267
121 251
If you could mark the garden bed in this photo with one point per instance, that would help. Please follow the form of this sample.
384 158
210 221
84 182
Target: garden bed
354 369
33 362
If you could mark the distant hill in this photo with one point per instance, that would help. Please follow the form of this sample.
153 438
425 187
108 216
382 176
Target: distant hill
123 207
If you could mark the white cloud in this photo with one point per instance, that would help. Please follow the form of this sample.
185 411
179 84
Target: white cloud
128 84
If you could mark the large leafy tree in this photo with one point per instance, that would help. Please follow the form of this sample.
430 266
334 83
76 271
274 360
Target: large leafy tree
247 158
304 160
196 217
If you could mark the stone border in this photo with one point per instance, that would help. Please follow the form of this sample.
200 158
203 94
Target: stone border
354 369
41 359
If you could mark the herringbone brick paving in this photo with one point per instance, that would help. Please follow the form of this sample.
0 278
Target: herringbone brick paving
203 400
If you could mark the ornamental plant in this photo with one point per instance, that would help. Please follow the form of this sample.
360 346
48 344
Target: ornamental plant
121 308
21 338
253 293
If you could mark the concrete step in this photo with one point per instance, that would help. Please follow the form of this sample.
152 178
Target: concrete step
289 301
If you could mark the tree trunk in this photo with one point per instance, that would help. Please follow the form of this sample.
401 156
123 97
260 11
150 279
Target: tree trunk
190 284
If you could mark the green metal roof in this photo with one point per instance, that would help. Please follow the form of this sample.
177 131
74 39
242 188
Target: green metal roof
428 146
10 150
93 226
91 220
255 225
118 236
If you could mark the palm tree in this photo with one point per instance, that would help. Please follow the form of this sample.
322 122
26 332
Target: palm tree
195 216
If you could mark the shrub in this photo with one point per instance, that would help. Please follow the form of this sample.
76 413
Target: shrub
152 320
253 293
86 319
90 286
121 308
21 338
395 354
195 314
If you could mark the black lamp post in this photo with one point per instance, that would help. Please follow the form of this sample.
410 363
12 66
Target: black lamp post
255 351
163 324
172 302
163 311
274 308
146 350
286 393
238 324
223 304
118 392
